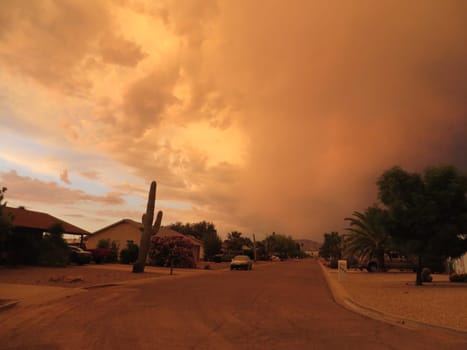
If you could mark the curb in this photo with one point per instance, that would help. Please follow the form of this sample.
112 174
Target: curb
343 298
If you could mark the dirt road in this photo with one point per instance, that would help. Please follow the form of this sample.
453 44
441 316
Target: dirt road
276 306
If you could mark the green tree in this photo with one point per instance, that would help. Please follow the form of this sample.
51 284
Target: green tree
53 249
6 227
428 212
198 229
205 232
212 245
235 242
332 246
368 236
281 245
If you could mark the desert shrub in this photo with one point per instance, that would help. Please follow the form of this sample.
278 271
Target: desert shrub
129 254
426 275
176 251
462 277
104 243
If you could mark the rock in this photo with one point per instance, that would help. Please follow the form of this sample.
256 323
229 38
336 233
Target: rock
56 279
73 279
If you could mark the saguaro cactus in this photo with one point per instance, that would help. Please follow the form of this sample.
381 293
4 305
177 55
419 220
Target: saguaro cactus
148 229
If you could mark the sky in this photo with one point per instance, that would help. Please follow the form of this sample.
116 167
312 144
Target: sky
258 116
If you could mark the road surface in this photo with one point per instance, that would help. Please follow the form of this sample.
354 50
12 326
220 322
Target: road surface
284 305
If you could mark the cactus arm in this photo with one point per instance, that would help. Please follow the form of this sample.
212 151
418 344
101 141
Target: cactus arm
157 223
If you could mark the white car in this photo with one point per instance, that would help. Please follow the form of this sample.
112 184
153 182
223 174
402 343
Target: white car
241 262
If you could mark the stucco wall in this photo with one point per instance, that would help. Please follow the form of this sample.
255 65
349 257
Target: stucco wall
119 233
123 231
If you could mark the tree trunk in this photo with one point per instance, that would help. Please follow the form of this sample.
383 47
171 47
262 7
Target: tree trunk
418 280
380 259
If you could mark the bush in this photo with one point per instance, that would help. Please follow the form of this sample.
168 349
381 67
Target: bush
53 250
333 264
426 275
103 243
129 254
113 257
23 248
52 254
458 277
176 251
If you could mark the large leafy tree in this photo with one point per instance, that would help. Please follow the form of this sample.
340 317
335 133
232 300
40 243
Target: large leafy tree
427 212
235 242
282 245
332 246
368 236
204 231
198 230
212 245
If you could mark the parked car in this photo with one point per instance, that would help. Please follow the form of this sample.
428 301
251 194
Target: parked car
79 256
101 255
392 260
241 262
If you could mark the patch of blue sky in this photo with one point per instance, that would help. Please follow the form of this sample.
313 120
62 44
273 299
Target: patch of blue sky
133 201
91 187
11 141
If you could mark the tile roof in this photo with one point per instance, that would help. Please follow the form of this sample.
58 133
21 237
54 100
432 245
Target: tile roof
25 218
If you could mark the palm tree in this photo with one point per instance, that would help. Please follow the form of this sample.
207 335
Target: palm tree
368 237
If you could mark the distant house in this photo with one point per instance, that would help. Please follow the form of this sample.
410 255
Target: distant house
37 223
129 230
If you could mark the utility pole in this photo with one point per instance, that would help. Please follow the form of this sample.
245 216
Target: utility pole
254 248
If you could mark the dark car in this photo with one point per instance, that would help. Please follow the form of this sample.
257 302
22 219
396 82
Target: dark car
79 256
241 262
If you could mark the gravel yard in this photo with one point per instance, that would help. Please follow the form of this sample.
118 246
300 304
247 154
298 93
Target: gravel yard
440 302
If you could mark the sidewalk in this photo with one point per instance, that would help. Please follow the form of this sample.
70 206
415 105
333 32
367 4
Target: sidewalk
393 297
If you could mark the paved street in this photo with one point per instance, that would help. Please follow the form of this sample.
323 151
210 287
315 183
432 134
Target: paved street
276 306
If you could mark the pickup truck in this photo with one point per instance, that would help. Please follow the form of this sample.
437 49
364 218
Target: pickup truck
392 260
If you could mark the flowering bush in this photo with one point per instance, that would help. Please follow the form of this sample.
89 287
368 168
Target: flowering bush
177 250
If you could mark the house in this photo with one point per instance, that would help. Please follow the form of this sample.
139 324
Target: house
36 223
129 230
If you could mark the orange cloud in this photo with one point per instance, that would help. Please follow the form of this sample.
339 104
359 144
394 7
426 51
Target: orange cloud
64 177
25 189
279 123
